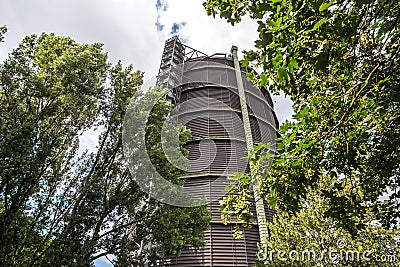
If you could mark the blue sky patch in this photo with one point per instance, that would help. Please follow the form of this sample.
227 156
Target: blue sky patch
162 5
176 27
159 26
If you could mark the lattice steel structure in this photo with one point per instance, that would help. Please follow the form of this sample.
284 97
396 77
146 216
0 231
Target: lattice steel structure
205 91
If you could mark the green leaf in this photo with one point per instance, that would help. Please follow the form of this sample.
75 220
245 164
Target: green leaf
293 64
312 80
282 75
272 200
319 23
278 22
245 62
325 6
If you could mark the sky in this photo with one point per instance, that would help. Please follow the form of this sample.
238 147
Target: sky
133 31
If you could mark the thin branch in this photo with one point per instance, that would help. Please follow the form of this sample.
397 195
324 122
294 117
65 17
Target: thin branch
353 100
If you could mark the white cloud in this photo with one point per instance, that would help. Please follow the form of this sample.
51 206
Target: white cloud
126 27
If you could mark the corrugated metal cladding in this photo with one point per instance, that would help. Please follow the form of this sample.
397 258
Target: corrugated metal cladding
207 102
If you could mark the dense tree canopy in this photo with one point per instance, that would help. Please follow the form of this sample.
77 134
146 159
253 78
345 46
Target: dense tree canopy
311 232
60 207
339 63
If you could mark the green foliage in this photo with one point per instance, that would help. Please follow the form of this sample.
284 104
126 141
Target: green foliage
310 238
339 63
337 172
62 208
3 30
235 206
311 232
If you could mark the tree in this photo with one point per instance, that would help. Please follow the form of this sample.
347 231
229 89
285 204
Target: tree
309 237
62 208
337 171
339 63
312 239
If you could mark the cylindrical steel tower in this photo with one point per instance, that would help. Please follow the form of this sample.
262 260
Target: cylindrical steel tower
205 91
